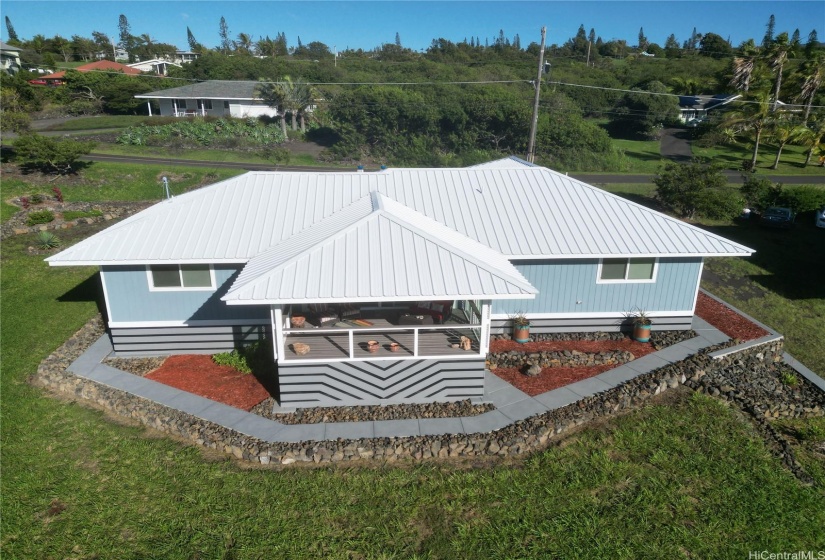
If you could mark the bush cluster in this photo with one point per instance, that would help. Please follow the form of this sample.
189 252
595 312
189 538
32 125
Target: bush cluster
256 357
40 217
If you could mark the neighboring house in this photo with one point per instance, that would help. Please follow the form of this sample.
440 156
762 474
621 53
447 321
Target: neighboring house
694 109
9 58
156 66
419 257
185 57
214 97
58 78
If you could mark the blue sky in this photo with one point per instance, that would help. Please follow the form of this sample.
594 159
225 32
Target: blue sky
368 24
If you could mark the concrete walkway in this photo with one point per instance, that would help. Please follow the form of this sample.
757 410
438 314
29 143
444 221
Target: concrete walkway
511 404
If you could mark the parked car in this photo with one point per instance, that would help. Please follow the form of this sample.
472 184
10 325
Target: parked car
777 217
819 217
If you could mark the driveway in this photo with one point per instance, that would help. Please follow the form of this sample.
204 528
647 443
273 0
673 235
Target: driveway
675 145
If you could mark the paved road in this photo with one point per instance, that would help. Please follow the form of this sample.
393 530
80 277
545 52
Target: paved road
675 145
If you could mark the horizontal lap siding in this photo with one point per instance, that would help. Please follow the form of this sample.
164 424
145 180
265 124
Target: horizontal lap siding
130 300
184 340
569 286
380 382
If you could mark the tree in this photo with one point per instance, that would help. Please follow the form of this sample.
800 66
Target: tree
783 129
194 46
103 44
642 40
813 69
12 33
812 135
83 48
743 66
51 155
714 46
778 54
696 189
275 96
397 39
125 36
752 116
62 46
672 49
644 110
223 33
243 45
767 40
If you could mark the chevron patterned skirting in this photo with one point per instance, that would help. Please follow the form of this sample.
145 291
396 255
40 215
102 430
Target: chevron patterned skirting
380 382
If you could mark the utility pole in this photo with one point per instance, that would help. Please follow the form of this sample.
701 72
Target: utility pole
531 145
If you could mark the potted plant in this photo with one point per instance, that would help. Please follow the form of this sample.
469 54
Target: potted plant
641 326
521 327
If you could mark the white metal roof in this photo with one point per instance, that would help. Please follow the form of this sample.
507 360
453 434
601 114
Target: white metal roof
521 212
503 163
377 250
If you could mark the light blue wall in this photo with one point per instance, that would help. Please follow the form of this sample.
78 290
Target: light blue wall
561 283
130 300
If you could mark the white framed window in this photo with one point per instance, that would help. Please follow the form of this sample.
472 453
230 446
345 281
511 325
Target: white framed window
181 104
180 277
638 270
204 104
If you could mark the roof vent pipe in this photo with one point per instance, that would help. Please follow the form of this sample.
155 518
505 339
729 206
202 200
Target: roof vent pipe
360 169
166 188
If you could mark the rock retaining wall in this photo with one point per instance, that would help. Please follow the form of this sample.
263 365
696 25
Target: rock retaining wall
108 211
747 379
554 358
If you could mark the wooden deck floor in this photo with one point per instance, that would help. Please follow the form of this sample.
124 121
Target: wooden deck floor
334 344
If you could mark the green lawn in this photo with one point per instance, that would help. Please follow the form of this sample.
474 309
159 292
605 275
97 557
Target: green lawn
642 155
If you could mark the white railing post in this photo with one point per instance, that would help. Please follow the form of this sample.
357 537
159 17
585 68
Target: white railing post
415 342
351 344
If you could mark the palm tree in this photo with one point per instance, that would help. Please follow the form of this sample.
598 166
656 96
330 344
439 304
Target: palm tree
244 43
744 65
752 116
303 95
274 95
814 71
783 129
780 50
812 135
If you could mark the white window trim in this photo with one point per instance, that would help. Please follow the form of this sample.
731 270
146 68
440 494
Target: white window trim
151 281
626 280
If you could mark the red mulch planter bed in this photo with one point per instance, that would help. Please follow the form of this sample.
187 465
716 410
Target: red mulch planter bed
198 374
555 377
727 320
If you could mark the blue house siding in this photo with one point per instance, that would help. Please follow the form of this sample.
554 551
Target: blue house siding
131 301
564 283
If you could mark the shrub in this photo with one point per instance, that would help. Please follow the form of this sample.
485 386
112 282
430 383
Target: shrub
788 379
40 217
25 202
12 121
47 240
37 198
50 155
690 189
256 357
58 194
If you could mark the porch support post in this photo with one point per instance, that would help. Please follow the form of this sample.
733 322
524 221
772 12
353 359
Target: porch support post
149 104
174 107
277 330
484 339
